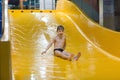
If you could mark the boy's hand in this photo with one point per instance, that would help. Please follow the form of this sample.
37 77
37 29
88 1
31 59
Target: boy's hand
43 52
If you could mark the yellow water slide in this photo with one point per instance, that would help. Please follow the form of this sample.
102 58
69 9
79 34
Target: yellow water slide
31 31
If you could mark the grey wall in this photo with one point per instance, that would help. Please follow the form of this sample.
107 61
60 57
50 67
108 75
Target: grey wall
117 14
108 14
88 9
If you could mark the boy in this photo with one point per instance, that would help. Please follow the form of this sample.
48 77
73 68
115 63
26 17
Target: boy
60 44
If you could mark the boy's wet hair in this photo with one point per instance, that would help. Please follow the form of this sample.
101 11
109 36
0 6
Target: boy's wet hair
60 27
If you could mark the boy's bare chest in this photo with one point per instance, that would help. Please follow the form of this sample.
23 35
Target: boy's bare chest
60 40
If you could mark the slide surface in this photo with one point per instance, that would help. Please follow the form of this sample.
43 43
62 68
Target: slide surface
31 32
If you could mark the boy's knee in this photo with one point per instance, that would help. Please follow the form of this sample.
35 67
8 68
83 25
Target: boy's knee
56 54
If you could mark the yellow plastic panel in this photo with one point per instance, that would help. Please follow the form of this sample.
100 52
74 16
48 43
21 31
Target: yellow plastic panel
32 30
101 37
5 61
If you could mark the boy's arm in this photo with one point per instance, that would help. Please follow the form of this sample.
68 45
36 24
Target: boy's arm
64 44
49 45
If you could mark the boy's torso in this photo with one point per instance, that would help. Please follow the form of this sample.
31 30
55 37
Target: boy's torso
59 42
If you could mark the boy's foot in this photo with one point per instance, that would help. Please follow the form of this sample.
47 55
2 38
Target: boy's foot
77 56
71 57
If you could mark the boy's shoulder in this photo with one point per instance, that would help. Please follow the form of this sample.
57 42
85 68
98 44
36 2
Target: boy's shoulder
54 38
57 36
64 36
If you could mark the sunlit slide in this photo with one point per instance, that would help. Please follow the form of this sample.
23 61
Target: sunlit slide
32 30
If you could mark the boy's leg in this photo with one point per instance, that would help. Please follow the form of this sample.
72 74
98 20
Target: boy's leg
64 55
77 56
71 56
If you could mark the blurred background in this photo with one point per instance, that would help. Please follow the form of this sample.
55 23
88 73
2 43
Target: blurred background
104 12
32 4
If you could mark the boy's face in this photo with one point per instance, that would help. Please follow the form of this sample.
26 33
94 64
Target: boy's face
60 32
